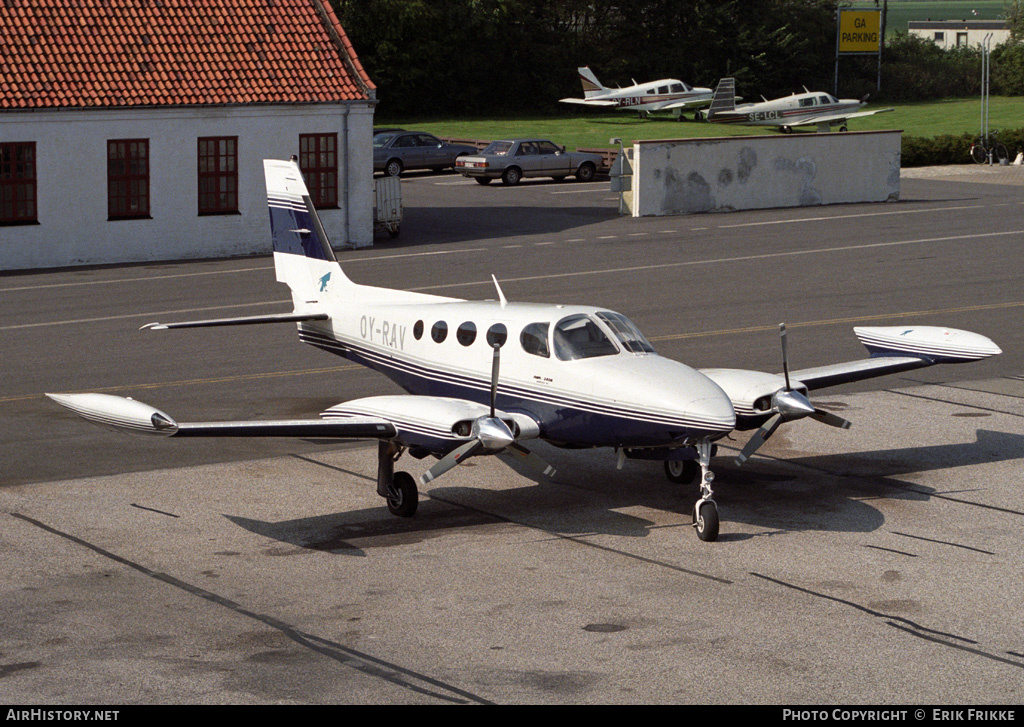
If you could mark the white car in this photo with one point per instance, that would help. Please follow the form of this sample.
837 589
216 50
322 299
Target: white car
512 159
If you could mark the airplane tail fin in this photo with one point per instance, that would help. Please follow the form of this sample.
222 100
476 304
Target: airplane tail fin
724 98
591 86
303 257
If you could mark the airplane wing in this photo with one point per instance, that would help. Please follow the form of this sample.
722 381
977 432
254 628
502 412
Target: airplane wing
588 101
837 117
425 424
766 400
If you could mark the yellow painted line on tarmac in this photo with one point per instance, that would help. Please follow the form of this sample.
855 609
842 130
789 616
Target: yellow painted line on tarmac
838 321
207 380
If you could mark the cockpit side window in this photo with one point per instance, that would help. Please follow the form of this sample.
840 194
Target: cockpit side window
626 331
534 339
577 336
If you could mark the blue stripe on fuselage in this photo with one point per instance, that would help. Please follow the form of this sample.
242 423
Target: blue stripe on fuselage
562 422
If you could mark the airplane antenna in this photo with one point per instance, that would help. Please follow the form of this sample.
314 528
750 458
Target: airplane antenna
501 296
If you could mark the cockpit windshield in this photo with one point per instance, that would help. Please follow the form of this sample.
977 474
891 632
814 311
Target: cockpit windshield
578 336
626 331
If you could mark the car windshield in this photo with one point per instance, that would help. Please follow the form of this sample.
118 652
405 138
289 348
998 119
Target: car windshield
498 148
626 331
578 336
381 140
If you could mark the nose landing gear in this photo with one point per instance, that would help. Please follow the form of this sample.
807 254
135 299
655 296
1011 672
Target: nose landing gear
705 512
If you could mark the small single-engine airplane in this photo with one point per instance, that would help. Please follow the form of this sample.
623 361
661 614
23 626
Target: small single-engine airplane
668 94
483 377
811 108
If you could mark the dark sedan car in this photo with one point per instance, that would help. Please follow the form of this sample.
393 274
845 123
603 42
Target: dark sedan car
396 151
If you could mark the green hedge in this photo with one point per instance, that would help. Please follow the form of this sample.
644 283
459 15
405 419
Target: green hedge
917 151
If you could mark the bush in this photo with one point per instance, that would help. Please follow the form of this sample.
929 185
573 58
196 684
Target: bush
917 151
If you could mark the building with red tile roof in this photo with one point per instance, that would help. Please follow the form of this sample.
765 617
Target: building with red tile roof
134 130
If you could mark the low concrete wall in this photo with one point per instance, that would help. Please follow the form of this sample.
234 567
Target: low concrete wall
674 177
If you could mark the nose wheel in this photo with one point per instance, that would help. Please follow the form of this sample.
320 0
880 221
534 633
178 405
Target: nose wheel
705 512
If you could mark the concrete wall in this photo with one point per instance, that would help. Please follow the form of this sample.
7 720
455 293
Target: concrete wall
71 172
673 177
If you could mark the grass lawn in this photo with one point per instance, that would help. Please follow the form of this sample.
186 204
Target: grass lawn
592 130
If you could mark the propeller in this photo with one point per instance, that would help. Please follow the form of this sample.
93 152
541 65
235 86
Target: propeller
789 405
490 435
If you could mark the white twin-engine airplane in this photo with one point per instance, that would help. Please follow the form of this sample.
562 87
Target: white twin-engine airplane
668 94
811 108
574 376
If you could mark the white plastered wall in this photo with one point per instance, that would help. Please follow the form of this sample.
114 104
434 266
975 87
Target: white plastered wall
71 148
688 176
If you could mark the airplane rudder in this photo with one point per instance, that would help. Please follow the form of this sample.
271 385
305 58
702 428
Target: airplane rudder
295 226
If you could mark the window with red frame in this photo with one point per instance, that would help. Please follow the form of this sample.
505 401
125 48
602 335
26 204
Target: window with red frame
127 178
318 160
17 182
218 175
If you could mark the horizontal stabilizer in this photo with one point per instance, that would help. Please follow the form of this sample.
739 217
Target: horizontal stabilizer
587 102
242 321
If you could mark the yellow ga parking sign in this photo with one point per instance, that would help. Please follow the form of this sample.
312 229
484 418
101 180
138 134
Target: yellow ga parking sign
860 31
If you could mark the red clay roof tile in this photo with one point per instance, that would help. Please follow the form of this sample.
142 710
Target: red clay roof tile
117 53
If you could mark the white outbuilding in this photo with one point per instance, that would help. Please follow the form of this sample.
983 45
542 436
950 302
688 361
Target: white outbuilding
134 130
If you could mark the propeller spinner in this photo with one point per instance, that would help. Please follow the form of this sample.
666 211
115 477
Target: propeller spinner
490 435
789 405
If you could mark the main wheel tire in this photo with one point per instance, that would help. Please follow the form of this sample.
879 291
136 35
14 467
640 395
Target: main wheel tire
978 153
511 176
682 471
705 517
586 172
999 154
393 168
403 498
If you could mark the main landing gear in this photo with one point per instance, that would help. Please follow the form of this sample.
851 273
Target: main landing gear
705 511
397 488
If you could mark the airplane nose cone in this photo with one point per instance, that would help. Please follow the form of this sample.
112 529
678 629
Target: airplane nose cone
493 433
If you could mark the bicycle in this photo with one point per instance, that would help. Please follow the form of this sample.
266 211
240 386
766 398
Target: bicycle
987 150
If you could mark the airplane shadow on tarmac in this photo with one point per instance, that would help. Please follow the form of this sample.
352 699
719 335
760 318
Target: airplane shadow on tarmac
826 493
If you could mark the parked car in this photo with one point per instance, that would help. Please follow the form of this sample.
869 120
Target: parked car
395 151
512 159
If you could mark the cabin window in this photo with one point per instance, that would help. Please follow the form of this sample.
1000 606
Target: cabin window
626 332
534 339
662 90
127 178
824 100
497 335
677 88
466 333
579 337
318 160
18 182
218 175
417 330
807 102
439 332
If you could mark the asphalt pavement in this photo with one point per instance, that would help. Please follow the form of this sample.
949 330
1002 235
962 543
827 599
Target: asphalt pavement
878 565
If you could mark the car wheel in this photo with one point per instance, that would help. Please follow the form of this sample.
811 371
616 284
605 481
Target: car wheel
393 168
586 172
511 176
